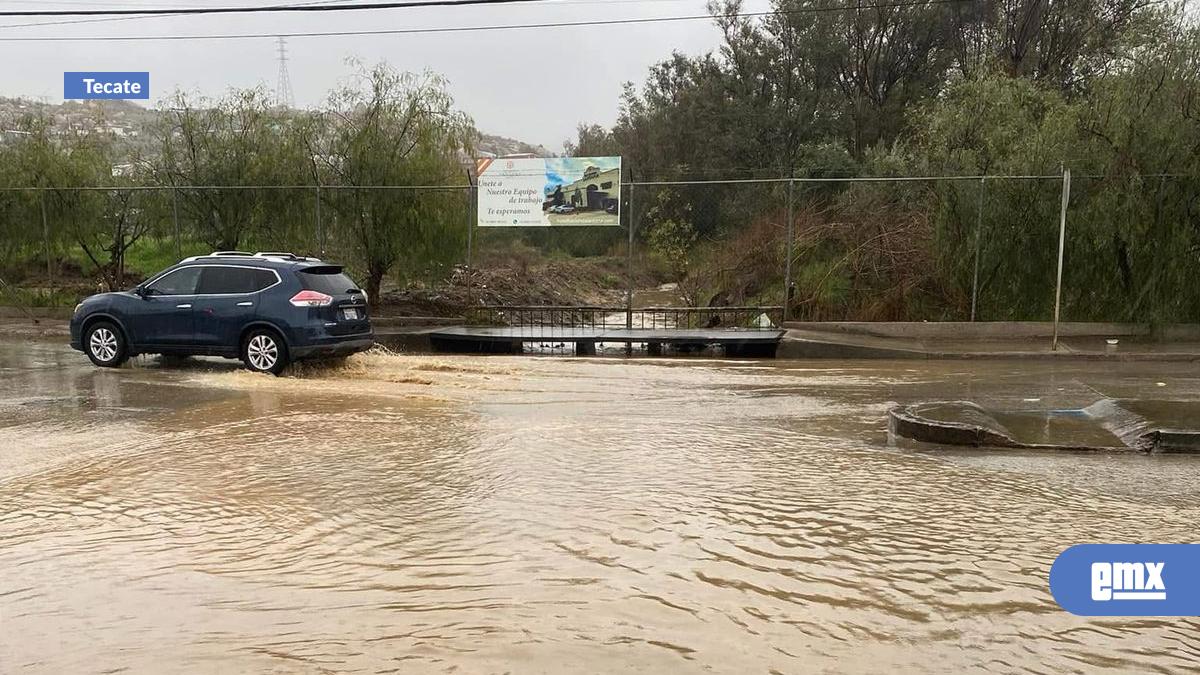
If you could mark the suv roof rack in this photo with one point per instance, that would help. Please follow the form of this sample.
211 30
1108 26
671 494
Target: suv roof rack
275 255
285 256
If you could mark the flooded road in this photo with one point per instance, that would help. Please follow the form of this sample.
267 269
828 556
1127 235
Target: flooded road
429 514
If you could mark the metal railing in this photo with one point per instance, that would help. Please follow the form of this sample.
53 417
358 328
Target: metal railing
615 318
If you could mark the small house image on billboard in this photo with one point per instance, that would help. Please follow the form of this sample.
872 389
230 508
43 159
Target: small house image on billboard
591 195
592 191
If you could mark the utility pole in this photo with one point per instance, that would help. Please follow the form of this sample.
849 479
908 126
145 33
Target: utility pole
46 238
978 235
629 286
472 219
788 246
175 220
1062 238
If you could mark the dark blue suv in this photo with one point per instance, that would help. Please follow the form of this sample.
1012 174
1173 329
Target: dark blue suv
268 309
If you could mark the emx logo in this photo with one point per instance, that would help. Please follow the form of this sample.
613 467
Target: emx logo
1128 580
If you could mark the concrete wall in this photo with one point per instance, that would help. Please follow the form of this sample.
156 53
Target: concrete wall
997 330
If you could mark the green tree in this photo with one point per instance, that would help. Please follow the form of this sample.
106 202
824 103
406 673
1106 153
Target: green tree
57 165
1136 228
69 168
225 159
387 128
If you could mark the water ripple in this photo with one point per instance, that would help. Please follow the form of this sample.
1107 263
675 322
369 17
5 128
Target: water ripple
429 514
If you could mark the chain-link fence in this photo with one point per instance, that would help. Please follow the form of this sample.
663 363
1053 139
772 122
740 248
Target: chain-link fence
953 248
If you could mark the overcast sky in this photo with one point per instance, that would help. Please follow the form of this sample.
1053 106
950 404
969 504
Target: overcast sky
534 85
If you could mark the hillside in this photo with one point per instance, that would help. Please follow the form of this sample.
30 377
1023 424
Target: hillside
129 122
499 145
134 124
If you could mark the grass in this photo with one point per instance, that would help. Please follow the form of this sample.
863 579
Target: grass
147 256
76 276
151 255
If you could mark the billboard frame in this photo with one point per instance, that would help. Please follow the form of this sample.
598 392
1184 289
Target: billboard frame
549 191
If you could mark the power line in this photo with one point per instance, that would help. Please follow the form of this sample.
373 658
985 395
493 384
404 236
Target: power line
139 17
470 29
111 19
256 8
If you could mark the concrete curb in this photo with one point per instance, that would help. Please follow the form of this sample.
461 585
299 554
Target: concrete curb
908 422
806 348
406 321
842 347
402 340
993 330
1172 441
905 421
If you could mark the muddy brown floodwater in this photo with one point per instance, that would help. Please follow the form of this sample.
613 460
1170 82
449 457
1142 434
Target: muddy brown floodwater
422 513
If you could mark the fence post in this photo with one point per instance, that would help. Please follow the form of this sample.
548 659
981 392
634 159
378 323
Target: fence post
46 239
320 224
788 251
175 218
629 272
472 216
978 234
1062 238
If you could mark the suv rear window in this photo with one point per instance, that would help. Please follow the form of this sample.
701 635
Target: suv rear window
328 279
233 280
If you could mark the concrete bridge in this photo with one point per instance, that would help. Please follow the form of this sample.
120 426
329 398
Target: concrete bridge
735 331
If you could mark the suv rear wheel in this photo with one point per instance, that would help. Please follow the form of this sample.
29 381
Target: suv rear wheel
263 351
105 344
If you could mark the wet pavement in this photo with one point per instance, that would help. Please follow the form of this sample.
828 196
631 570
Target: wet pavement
517 514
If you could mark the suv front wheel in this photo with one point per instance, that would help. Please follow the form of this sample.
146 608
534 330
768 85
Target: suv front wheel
105 344
263 351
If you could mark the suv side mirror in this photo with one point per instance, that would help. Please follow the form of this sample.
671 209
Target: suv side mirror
142 291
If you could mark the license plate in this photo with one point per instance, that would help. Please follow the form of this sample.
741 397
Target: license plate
350 313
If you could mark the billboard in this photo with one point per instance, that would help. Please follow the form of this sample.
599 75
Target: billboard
543 192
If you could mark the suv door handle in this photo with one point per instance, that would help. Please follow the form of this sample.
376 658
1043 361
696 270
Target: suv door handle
183 306
245 304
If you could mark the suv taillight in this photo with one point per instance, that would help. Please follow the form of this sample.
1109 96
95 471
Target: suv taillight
311 299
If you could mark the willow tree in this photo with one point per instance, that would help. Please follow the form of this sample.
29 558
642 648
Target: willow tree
1133 229
69 168
225 159
18 207
385 134
58 164
13 231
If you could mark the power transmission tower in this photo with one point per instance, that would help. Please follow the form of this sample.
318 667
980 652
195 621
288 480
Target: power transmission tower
283 88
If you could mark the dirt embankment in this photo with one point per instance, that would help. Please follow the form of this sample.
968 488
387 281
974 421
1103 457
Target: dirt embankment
572 281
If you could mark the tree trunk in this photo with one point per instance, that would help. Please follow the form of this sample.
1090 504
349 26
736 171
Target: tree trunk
374 281
119 270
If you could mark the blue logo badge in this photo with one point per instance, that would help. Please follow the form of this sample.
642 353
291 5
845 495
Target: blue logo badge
106 85
1128 580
